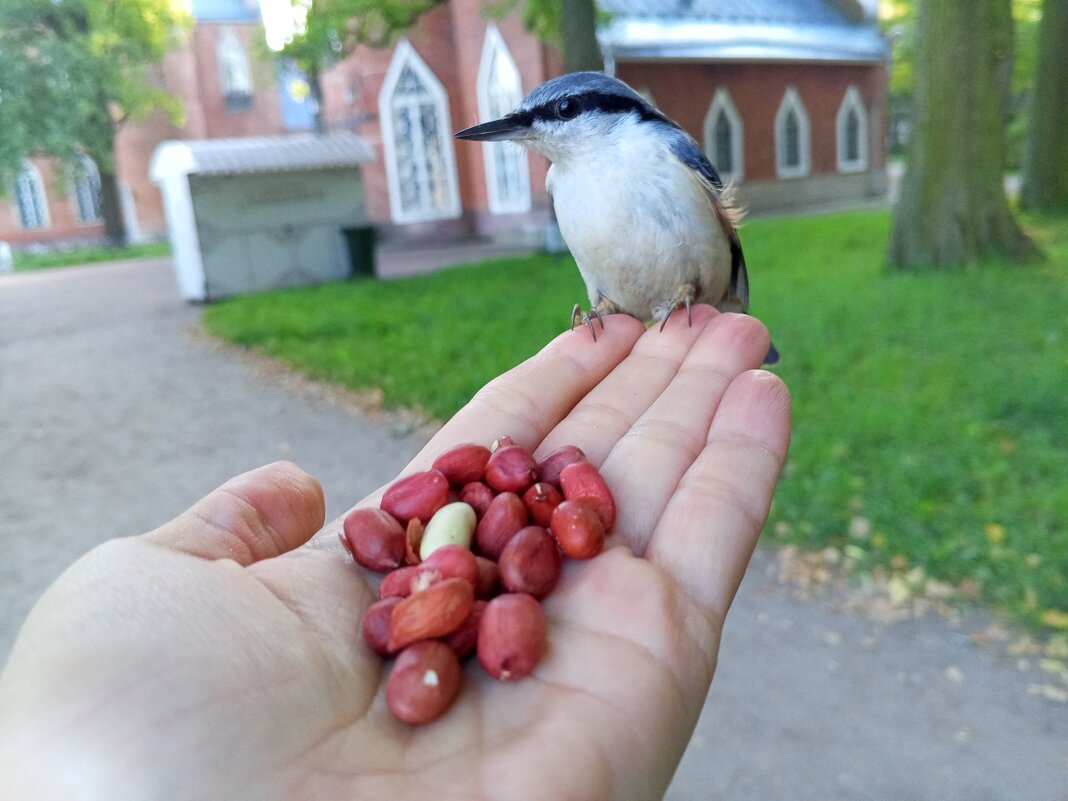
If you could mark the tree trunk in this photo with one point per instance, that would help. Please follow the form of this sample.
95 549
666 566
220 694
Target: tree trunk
315 89
953 208
111 208
1045 178
578 31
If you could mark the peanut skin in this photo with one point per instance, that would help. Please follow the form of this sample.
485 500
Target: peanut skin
505 516
424 682
530 562
375 539
512 636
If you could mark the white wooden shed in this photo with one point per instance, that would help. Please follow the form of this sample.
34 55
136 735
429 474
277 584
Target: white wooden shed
257 213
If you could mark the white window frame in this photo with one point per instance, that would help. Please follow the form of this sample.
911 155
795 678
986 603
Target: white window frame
90 173
494 47
405 56
228 49
791 101
32 176
852 102
722 103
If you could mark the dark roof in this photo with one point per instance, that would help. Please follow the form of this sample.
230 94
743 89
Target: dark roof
757 30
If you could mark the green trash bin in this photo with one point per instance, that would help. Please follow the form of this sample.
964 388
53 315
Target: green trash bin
361 244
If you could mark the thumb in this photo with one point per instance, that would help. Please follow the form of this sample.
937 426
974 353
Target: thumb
256 515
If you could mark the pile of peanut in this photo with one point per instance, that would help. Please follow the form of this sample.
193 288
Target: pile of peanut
469 548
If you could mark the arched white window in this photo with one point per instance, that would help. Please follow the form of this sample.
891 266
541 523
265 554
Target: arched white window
724 137
235 75
417 136
499 92
852 132
793 143
30 198
85 190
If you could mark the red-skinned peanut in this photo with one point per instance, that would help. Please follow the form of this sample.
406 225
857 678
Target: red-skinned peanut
424 682
416 495
582 481
375 539
376 625
398 583
530 562
510 469
478 496
505 516
549 468
541 499
512 636
463 464
489 578
464 639
578 530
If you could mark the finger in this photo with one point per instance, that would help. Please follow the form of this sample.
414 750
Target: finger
711 524
612 407
651 456
527 401
256 515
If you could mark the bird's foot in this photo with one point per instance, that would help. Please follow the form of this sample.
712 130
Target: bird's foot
586 318
685 297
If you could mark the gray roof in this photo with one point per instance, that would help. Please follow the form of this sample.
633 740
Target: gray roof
259 154
741 30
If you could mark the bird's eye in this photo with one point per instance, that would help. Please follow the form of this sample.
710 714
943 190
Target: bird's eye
567 109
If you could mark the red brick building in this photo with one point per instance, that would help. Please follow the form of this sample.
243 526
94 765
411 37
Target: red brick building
788 98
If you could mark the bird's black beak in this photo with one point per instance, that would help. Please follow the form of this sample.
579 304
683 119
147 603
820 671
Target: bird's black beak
501 130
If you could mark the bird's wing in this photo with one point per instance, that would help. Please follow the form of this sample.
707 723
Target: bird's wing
728 215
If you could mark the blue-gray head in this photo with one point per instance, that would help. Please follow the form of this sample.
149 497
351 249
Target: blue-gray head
568 114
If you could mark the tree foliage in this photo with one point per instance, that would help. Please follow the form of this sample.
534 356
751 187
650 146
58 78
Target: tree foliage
329 30
73 71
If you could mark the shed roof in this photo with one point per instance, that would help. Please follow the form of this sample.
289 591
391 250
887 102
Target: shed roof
737 30
259 154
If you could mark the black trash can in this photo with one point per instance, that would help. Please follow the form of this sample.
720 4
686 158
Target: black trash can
361 244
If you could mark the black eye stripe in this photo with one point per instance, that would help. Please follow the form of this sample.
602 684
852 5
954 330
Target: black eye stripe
595 101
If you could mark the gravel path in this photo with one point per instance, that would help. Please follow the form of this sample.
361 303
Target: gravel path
116 413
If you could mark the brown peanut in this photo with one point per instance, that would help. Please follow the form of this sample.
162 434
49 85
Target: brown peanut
436 611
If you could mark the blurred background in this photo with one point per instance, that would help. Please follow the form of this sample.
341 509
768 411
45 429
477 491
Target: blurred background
235 231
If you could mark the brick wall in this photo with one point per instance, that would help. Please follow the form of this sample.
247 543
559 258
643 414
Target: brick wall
684 92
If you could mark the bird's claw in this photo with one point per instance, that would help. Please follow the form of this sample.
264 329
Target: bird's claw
684 297
586 318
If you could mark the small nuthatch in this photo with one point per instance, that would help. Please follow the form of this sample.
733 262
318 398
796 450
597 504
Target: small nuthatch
642 210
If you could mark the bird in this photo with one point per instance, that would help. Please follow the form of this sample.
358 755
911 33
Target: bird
648 220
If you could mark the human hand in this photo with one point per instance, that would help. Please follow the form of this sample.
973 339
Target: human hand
220 655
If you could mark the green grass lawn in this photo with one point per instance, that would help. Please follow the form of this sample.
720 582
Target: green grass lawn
87 255
930 410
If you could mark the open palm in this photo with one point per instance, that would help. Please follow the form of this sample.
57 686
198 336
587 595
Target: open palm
220 656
